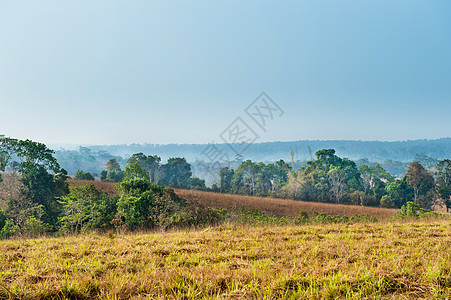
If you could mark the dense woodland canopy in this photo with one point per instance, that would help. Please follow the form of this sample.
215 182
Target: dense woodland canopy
394 157
36 198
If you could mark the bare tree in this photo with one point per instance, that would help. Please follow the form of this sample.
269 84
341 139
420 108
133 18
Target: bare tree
10 187
337 182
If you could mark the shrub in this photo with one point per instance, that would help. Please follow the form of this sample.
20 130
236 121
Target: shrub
80 175
9 229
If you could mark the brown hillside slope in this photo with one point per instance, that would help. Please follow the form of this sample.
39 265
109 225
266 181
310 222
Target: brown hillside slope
275 206
280 207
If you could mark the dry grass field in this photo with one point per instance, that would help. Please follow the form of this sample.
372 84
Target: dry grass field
384 260
281 207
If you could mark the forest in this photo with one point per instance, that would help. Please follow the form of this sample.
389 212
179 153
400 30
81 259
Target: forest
36 196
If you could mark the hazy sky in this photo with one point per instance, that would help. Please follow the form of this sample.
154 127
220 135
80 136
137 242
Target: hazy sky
108 72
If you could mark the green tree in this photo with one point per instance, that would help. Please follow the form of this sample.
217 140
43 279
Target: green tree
197 184
399 192
134 170
80 175
225 179
149 163
112 165
40 173
245 178
86 207
337 180
113 171
422 183
146 205
176 173
444 182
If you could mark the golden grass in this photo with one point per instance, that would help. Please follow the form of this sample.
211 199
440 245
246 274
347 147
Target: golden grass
108 187
379 260
274 206
281 207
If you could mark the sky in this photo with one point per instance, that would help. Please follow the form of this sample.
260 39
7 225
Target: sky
120 72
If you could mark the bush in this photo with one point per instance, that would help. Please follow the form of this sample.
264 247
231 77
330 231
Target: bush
80 175
9 229
35 227
411 210
2 218
387 202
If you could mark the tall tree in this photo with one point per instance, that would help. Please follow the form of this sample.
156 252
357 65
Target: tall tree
337 180
149 163
41 175
112 165
225 179
444 182
146 205
420 180
133 171
176 173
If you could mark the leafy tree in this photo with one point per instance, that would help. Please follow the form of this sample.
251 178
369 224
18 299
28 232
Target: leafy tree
372 177
20 210
134 170
86 207
146 205
225 179
245 178
197 184
444 182
422 183
36 162
176 173
329 178
149 163
113 171
399 192
80 175
112 165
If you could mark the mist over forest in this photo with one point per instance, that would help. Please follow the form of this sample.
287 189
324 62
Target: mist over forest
394 157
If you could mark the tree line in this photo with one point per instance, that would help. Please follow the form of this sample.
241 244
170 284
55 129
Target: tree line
35 196
326 178
333 179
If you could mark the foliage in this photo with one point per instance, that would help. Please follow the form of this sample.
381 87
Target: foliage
196 184
149 163
86 207
444 182
80 175
8 230
225 179
41 188
398 193
255 178
422 183
134 171
112 172
175 173
412 210
146 205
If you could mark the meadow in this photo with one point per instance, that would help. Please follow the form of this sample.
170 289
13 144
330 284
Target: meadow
280 207
274 206
391 259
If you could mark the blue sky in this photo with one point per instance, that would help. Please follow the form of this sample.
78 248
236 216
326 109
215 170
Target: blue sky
113 72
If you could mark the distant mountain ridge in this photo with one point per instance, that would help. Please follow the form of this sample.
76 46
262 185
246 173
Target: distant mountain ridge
403 151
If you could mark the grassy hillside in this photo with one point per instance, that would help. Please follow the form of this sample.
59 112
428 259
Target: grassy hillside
274 206
281 207
378 260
